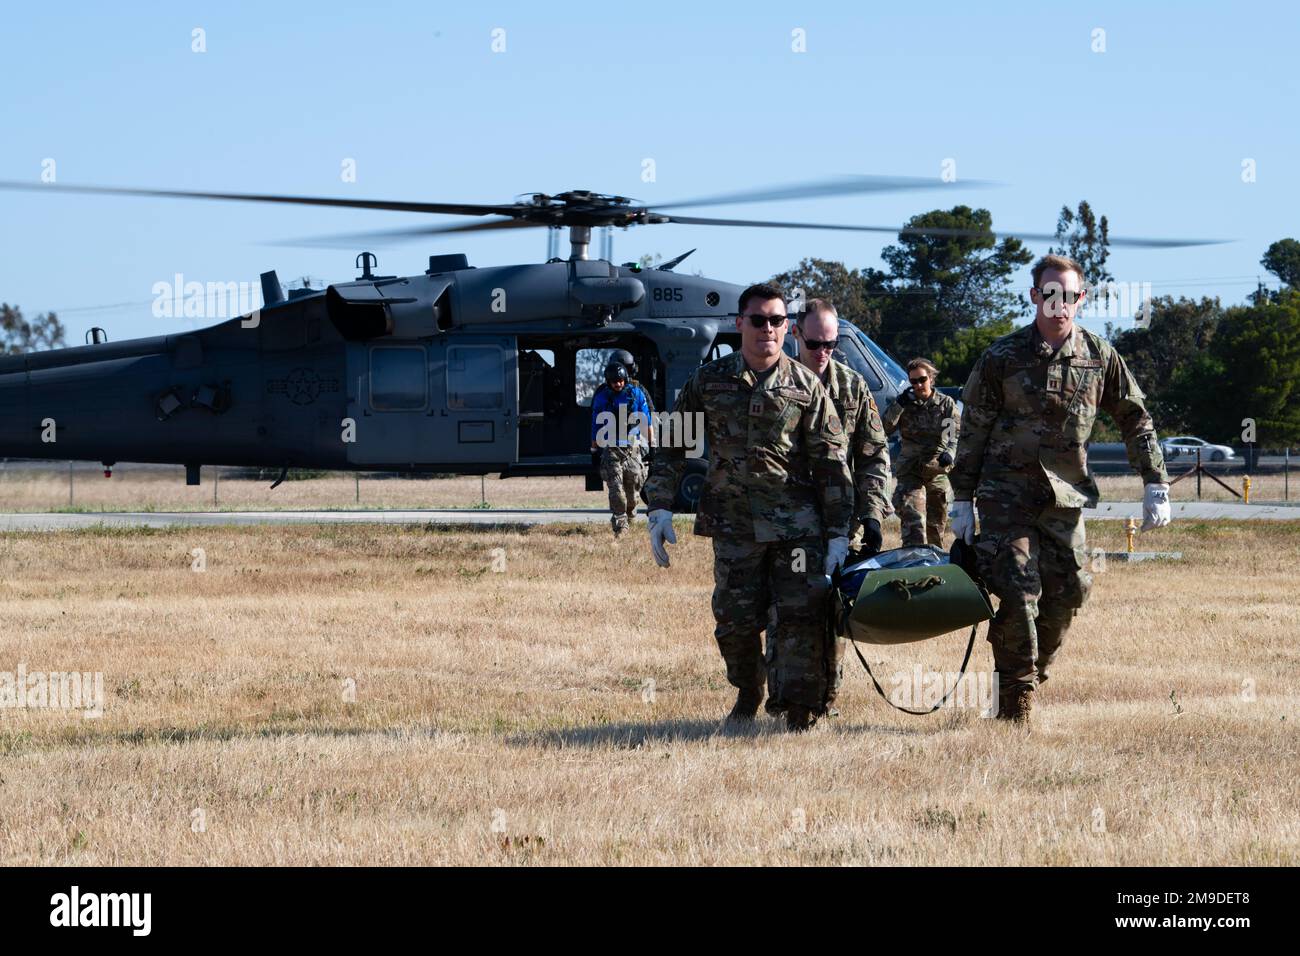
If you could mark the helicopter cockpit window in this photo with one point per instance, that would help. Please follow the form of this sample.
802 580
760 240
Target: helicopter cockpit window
892 369
724 343
851 355
546 355
718 350
399 379
476 377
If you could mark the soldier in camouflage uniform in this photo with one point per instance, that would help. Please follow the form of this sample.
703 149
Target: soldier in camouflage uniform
817 330
625 358
620 410
1030 404
777 501
927 423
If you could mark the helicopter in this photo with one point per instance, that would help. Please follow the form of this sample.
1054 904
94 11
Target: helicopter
463 369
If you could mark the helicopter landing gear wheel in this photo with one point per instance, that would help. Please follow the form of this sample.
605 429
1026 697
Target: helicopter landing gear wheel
691 488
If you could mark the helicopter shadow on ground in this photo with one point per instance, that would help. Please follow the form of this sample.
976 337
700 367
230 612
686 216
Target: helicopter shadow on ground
629 735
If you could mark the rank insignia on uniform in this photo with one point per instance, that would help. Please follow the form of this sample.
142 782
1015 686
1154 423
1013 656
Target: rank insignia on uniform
756 407
1054 378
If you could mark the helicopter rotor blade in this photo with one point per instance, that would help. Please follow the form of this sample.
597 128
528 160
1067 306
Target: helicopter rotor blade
1117 241
382 237
834 186
837 186
524 215
457 209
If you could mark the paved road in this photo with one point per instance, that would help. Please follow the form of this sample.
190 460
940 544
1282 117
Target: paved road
1198 510
1102 460
1201 510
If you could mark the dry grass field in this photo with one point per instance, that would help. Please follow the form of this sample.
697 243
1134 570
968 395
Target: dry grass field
411 695
152 489
136 488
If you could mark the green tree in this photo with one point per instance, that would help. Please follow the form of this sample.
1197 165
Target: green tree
1251 370
941 284
856 293
1085 239
18 335
957 356
1283 260
1179 331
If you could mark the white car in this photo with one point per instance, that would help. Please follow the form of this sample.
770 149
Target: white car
1187 447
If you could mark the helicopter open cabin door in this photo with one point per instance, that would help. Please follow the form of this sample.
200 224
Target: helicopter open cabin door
432 404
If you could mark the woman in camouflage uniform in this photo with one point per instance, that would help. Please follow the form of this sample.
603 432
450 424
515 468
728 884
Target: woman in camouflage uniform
927 422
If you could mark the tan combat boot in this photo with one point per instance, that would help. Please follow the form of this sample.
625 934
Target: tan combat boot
1016 704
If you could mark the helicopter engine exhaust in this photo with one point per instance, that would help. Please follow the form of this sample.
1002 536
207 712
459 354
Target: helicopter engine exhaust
357 316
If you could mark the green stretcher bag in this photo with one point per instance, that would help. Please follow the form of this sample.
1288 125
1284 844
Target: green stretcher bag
907 595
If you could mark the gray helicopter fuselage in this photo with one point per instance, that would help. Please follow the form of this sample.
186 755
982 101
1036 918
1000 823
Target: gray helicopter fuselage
465 370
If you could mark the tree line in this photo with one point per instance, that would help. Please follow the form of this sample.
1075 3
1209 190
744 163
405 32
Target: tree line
19 335
1205 367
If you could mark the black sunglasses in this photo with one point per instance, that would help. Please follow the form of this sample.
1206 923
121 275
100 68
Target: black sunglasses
918 381
758 321
1069 296
816 344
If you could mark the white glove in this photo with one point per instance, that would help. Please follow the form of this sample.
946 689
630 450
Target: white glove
661 530
1155 506
837 551
963 520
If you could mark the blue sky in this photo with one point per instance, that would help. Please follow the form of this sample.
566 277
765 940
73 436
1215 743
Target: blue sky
1153 131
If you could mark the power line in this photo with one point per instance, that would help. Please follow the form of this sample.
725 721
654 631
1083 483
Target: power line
102 308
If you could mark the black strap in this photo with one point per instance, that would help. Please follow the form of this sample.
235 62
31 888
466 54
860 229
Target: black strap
970 645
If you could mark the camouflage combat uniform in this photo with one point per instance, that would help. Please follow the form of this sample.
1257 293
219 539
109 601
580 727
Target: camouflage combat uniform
921 495
778 485
1028 415
621 467
623 472
868 455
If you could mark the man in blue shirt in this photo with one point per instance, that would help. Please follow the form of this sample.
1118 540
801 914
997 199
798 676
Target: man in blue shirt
620 416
